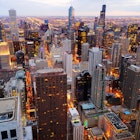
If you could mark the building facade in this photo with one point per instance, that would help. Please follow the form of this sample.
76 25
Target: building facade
51 104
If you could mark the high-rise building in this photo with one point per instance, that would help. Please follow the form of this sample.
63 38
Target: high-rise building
137 128
66 45
67 65
95 57
82 38
51 104
71 17
76 130
30 49
10 114
83 86
125 45
116 54
95 23
98 86
108 38
91 39
138 56
13 24
132 34
102 16
99 36
2 33
112 125
84 51
131 86
4 55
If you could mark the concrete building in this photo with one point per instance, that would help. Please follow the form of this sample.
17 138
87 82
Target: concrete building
96 133
116 54
138 56
137 128
98 86
4 55
76 130
84 51
66 45
131 86
67 63
13 25
50 87
123 136
10 119
113 125
95 57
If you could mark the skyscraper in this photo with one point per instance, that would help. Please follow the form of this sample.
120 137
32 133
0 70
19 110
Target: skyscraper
116 54
83 86
51 104
84 51
98 86
4 55
70 17
102 16
95 57
13 24
67 63
131 86
2 33
138 56
137 129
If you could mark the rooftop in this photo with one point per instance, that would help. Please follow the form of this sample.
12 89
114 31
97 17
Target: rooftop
96 131
41 71
87 106
76 122
7 108
135 68
116 121
73 112
122 136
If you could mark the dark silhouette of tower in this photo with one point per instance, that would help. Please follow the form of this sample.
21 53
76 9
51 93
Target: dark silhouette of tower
83 86
102 16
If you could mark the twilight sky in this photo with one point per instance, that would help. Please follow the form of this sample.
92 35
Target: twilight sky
60 7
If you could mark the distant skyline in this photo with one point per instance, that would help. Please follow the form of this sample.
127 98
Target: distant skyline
60 7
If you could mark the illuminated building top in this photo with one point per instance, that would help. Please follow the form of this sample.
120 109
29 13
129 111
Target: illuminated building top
58 70
116 121
4 48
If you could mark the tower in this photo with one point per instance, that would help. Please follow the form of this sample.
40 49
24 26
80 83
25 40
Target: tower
70 17
98 86
4 55
2 33
137 129
138 56
115 54
102 16
68 63
83 86
84 51
13 24
95 57
51 104
131 86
